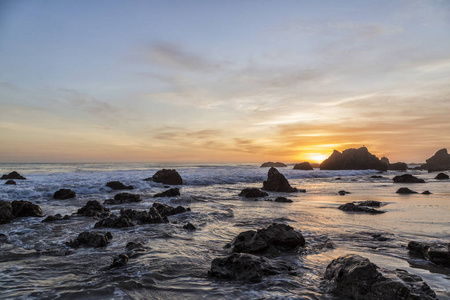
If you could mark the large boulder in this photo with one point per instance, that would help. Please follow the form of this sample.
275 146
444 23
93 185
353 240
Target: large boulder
6 212
246 267
25 209
13 175
355 277
272 239
276 182
93 208
405 190
407 178
360 207
90 239
166 176
306 166
117 186
441 176
440 161
252 193
270 164
399 166
353 159
121 198
439 253
173 192
63 194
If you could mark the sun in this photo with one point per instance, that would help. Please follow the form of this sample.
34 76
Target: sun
317 157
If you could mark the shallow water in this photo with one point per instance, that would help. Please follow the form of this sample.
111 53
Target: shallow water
175 265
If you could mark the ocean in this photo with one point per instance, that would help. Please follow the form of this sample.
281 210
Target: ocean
175 264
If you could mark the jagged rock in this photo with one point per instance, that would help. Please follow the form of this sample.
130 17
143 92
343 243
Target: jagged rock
439 253
13 175
56 217
25 209
426 192
405 190
115 222
189 226
247 267
371 203
352 207
167 210
134 245
119 261
440 161
272 239
355 277
94 209
166 176
353 159
276 182
144 217
12 182
90 239
343 193
407 178
252 193
124 198
283 199
400 166
273 164
441 176
306 166
63 194
385 160
6 212
117 185
173 192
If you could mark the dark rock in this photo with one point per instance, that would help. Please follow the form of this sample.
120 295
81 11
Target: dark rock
10 182
407 178
166 176
13 175
306 166
167 210
124 198
63 194
283 199
173 192
117 185
6 212
440 161
438 253
353 159
338 178
355 277
385 160
342 193
56 217
247 267
376 176
273 164
272 239
144 217
115 222
426 193
90 239
352 207
189 226
400 166
134 245
371 203
276 182
252 193
441 176
25 209
119 261
405 190
94 209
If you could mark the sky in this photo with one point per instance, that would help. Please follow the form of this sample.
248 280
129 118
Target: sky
222 81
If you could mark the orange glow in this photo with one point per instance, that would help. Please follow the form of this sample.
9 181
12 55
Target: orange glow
317 157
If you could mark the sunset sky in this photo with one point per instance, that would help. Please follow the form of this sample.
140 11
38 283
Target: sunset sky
222 81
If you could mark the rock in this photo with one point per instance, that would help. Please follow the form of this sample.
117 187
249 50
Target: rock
90 239
63 194
119 261
167 210
376 176
124 198
439 253
273 164
283 199
441 176
247 267
400 166
385 160
144 217
166 176
117 185
173 192
371 203
272 239
352 207
306 166
135 245
343 193
115 222
407 178
6 212
276 182
56 217
355 277
405 190
13 175
440 161
353 159
189 226
25 209
94 209
252 193
12 182
426 192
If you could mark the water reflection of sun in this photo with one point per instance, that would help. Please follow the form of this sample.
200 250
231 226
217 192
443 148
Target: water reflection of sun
317 157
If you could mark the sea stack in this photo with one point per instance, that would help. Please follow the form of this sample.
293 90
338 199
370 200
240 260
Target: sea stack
440 161
353 159
276 182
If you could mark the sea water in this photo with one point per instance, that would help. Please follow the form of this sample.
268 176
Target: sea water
33 264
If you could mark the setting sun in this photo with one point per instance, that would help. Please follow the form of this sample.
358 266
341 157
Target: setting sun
317 157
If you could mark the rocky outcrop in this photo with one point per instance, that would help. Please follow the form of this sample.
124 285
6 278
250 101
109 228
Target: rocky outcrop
252 193
405 190
90 239
306 166
25 209
114 221
94 209
427 192
276 182
166 176
246 267
173 192
283 200
353 159
12 175
399 166
364 207
6 212
439 253
441 176
343 193
440 161
385 160
167 210
63 194
355 277
124 198
57 217
117 186
407 178
10 181
151 216
270 164
272 239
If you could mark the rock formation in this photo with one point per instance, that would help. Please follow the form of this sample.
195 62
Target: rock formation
94 209
124 198
364 207
273 164
306 166
117 186
166 176
440 161
63 194
439 253
441 176
407 178
405 190
252 193
90 239
173 192
283 199
13 175
385 160
399 166
10 181
276 182
353 159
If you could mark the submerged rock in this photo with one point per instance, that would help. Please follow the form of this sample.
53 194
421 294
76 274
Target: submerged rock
372 203
167 210
376 176
252 193
283 199
90 239
405 190
12 182
173 192
94 209
144 217
63 194
305 166
247 267
400 166
117 185
407 178
353 159
13 175
119 261
441 176
166 176
57 217
355 277
115 222
440 161
276 182
124 198
426 192
270 164
359 207
25 209
439 253
343 193
189 226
